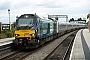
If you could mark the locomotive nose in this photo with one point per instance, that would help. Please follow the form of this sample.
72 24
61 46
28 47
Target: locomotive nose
24 33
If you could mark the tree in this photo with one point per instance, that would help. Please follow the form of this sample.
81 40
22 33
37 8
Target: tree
79 19
71 19
13 25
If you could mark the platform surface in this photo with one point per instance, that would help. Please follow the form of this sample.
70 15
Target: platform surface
81 46
6 41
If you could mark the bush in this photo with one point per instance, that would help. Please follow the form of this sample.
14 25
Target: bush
3 36
7 33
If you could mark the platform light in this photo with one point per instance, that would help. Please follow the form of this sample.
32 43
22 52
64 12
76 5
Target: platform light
9 15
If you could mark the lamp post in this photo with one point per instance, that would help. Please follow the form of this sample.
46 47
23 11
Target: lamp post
9 18
9 15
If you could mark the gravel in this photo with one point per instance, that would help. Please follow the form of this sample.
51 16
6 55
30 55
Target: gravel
42 53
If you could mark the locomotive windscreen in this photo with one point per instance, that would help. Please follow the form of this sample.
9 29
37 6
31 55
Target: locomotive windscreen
26 22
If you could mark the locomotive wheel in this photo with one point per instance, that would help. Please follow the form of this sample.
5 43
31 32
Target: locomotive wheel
37 44
41 42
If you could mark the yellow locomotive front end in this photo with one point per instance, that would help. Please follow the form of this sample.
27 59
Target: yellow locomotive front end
28 34
25 38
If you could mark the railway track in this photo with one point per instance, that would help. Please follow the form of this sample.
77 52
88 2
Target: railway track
5 54
2 48
61 51
39 53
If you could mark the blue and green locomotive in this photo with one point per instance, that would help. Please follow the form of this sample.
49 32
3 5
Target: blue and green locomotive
31 31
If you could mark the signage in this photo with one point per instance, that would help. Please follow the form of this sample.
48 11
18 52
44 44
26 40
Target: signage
6 26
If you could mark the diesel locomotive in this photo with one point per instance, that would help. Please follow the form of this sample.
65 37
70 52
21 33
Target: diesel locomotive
30 30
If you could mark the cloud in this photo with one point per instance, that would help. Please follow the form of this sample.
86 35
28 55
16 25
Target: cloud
18 4
72 8
5 5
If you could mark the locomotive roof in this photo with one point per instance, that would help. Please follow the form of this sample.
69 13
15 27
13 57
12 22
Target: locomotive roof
33 15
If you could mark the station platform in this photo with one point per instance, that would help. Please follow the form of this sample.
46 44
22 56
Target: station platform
81 46
6 41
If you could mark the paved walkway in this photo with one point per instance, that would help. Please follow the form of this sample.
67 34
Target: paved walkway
81 46
6 41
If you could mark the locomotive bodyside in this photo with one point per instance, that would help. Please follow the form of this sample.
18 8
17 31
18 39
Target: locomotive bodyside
31 29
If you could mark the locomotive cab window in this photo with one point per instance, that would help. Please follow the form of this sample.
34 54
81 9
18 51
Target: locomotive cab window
25 22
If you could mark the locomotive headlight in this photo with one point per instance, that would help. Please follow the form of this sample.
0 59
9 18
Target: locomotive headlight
16 34
32 34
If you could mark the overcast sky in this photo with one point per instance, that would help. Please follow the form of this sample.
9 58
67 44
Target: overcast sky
73 8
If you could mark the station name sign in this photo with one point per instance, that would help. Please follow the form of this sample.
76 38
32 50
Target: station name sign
6 26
